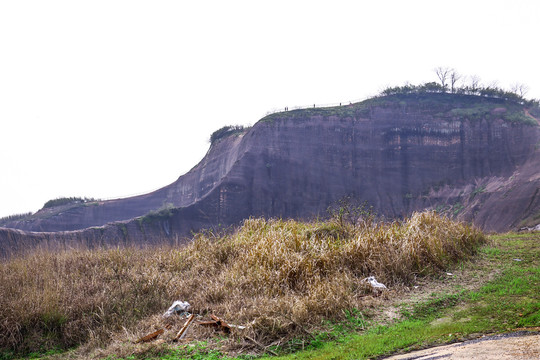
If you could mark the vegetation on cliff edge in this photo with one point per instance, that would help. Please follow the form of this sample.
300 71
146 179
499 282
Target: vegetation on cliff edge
66 201
472 102
226 131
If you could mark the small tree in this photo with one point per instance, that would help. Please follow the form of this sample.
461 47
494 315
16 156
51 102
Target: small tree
520 89
349 210
475 83
431 87
454 78
443 73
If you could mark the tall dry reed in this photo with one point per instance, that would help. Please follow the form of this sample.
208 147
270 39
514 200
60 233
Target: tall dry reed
277 277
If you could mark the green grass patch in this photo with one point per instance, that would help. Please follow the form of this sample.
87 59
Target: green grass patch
194 351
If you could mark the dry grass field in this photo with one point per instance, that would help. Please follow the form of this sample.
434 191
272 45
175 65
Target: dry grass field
278 278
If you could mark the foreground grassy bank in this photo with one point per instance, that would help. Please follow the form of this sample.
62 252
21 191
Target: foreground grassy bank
462 308
498 291
283 280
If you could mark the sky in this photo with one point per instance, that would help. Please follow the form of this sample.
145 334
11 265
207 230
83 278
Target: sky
109 99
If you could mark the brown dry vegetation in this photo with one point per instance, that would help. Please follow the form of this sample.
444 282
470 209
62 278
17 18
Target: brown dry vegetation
277 277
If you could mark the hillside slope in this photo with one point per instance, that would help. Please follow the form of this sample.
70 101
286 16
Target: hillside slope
474 158
187 190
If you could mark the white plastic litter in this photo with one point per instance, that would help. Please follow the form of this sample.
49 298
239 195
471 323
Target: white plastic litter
239 327
375 284
177 307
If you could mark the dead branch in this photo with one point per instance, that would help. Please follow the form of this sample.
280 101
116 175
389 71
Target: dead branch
151 336
184 328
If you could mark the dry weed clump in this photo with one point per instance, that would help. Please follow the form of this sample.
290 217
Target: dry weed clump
64 299
277 277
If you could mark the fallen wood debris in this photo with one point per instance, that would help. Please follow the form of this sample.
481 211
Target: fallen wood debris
218 323
208 323
151 336
183 330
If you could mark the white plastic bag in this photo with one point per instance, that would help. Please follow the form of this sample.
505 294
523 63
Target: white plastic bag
177 307
375 284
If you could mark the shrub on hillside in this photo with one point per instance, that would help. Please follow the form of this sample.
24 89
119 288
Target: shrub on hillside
65 201
225 132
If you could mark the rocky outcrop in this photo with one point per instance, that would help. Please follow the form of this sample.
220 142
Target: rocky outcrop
474 158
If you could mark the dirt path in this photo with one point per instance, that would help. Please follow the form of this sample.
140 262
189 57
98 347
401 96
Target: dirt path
517 345
529 114
471 277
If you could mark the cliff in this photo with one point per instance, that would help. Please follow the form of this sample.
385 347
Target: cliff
472 157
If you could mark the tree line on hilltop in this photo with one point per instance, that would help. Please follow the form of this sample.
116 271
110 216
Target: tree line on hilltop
449 81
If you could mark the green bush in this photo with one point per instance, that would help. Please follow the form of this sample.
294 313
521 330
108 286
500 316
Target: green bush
226 131
66 200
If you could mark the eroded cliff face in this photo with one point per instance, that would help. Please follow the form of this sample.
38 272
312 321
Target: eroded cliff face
188 189
459 155
397 158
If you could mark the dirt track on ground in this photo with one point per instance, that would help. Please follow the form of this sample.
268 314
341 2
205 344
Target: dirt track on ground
518 345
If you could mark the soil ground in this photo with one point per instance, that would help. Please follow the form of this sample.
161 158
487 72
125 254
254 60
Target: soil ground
517 345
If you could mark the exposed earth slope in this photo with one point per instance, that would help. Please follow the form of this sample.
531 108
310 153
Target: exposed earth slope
475 158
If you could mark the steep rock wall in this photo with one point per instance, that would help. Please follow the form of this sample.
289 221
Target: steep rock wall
297 166
399 156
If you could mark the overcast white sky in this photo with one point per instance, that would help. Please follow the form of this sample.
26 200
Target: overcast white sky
112 98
